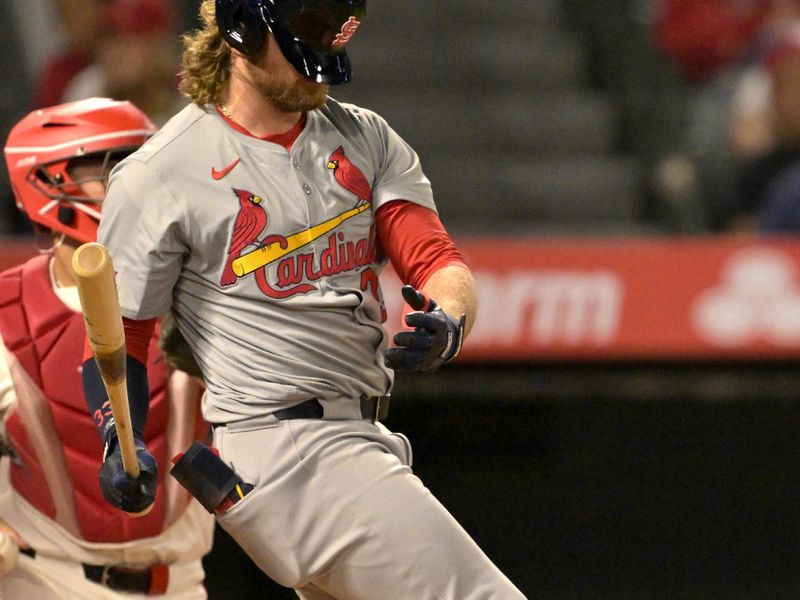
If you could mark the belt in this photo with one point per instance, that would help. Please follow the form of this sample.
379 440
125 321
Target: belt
374 408
151 580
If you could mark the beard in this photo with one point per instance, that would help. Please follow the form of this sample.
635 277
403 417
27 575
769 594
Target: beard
298 95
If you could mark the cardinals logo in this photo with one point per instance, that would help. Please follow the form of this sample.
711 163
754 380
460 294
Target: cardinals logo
285 266
250 223
349 176
348 30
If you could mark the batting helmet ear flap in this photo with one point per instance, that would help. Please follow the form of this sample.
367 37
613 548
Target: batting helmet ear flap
241 25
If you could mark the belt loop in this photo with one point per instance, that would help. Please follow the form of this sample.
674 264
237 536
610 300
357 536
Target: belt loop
104 575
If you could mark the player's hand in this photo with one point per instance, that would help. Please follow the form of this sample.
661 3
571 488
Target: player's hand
119 488
435 340
10 543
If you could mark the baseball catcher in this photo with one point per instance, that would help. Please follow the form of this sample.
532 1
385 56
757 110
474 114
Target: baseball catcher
59 537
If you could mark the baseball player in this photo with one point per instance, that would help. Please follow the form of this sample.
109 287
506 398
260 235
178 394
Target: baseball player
261 215
58 537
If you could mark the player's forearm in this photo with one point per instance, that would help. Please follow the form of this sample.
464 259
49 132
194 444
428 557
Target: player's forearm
97 401
137 337
453 288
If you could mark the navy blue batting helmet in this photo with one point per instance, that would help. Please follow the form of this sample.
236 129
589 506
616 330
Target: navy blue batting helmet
312 34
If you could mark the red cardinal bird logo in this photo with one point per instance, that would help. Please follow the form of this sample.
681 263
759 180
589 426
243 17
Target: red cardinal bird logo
349 176
250 222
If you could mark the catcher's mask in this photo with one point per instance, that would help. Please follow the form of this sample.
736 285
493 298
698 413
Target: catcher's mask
46 145
312 34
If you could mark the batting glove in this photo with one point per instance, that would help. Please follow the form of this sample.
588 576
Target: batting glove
435 340
119 488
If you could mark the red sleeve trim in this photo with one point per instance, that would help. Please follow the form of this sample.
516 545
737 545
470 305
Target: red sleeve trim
137 339
415 241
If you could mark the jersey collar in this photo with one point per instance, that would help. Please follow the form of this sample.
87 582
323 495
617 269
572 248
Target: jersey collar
285 139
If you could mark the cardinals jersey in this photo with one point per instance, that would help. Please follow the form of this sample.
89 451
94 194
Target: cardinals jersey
262 253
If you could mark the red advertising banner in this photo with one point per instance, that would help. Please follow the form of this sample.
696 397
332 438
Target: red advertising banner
692 298
630 299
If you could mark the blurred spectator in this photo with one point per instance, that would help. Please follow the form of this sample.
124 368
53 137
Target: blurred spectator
768 195
715 44
79 23
34 26
704 37
750 130
136 58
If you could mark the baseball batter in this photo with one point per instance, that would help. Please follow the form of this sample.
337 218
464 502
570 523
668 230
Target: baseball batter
261 216
58 538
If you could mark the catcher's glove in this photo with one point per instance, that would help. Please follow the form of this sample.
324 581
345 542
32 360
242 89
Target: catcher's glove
435 340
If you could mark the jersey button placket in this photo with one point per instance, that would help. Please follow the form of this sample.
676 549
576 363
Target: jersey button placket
306 187
308 191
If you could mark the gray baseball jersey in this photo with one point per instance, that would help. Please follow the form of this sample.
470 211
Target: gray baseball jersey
270 262
262 253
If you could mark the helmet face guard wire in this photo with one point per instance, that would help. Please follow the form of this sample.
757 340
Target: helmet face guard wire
52 184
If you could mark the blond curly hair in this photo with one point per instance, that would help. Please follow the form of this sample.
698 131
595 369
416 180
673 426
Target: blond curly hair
206 59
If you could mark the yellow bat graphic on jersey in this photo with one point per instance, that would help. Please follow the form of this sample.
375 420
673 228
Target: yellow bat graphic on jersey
265 255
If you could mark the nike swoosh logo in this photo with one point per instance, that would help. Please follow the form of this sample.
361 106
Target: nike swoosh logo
217 175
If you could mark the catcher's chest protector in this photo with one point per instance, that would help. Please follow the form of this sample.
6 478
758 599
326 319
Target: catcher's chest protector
57 446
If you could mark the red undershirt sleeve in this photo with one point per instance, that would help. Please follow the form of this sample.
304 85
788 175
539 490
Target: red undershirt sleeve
415 241
137 339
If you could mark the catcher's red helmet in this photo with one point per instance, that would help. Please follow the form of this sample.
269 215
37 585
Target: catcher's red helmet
41 146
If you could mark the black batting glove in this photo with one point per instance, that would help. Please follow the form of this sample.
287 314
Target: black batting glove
435 340
119 488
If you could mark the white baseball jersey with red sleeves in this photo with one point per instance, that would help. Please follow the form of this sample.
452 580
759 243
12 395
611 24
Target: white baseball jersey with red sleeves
262 253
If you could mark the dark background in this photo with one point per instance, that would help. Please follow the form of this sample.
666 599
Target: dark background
605 481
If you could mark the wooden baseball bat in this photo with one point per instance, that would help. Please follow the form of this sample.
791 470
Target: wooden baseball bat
97 288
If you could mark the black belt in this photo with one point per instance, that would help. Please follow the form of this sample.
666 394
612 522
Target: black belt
149 580
374 409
